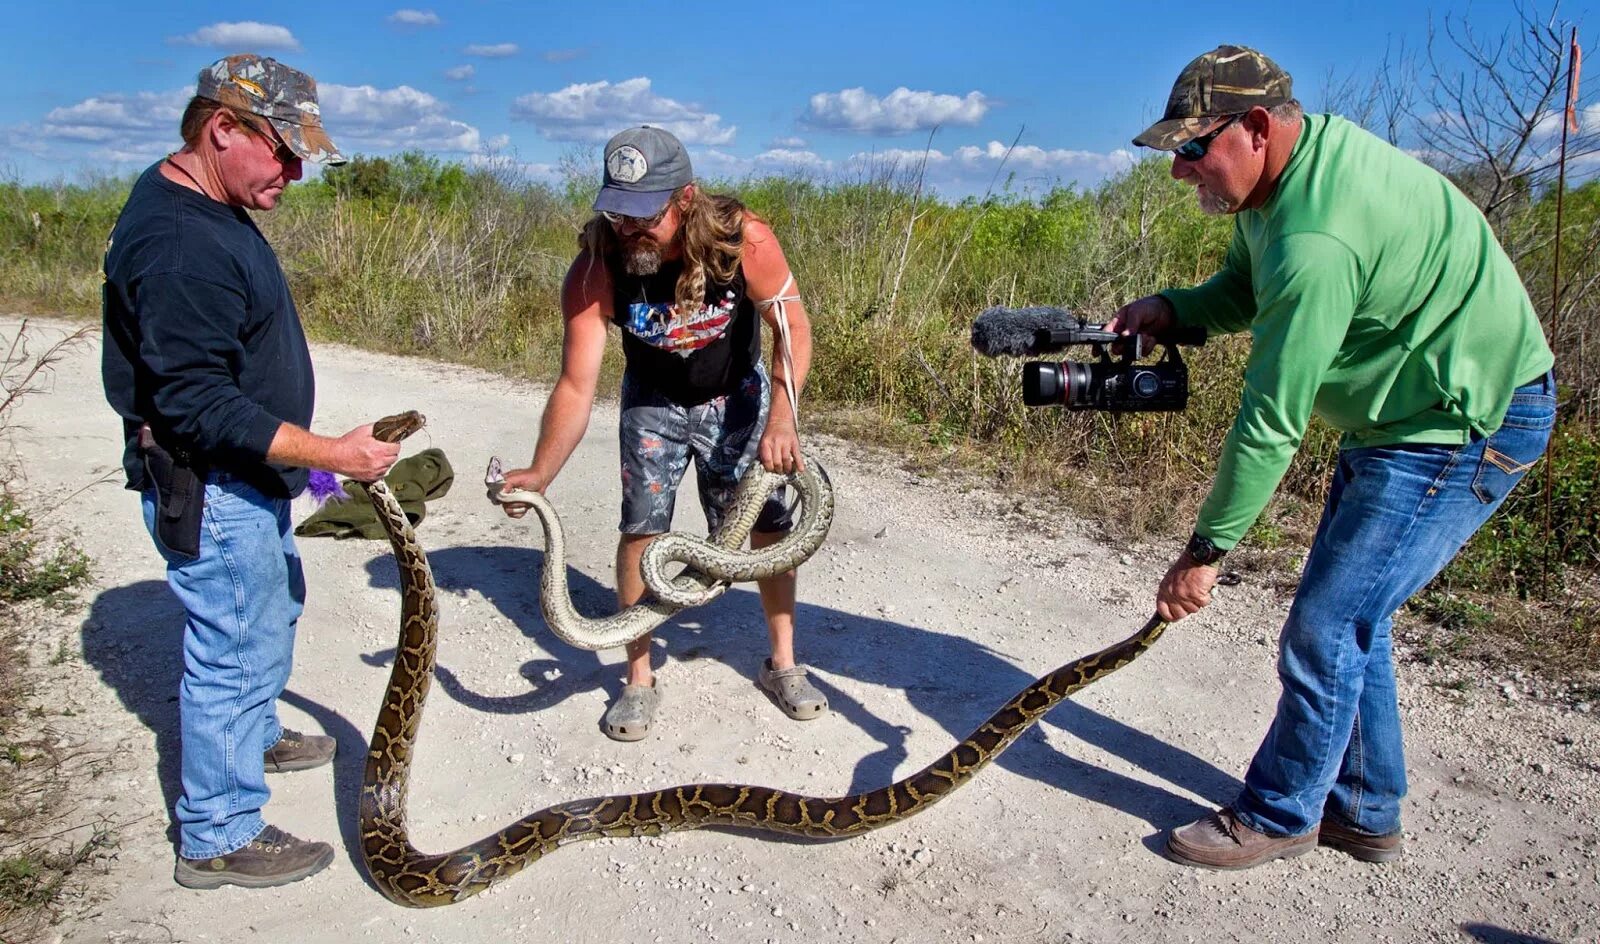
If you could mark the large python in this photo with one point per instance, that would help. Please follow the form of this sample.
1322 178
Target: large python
410 877
713 563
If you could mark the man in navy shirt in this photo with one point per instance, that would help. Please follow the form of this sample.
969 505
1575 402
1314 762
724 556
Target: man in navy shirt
206 363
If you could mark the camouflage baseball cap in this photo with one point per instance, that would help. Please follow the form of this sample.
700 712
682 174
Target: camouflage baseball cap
284 96
1227 81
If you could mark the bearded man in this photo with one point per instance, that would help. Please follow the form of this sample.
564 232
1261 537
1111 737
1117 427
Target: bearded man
688 277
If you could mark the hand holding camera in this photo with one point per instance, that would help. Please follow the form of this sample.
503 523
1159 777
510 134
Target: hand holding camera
1148 318
1113 385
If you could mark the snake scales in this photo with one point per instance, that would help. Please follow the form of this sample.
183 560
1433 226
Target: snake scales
713 563
410 877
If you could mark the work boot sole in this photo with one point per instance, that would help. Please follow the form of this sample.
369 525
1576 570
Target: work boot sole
190 877
1286 851
1358 846
306 763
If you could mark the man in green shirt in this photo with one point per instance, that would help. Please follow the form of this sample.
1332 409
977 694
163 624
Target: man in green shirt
1376 297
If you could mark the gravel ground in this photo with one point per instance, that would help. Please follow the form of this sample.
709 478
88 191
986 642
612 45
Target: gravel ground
926 609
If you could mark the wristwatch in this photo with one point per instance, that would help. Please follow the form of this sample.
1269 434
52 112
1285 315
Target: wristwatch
1202 551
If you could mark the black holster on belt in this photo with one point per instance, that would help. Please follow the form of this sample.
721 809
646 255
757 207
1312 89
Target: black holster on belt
179 479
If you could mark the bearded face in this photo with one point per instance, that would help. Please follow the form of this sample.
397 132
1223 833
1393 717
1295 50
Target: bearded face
1211 202
641 255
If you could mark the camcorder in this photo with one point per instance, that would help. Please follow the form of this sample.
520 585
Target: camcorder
1111 383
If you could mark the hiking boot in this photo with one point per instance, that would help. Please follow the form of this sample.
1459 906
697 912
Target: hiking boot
1368 847
1219 841
296 751
272 858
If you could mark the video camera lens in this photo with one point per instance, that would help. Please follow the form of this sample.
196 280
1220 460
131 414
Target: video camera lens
1067 383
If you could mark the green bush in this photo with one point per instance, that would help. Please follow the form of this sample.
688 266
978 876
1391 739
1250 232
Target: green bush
28 569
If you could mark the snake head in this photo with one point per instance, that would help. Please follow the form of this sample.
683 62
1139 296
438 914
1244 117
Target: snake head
392 429
495 480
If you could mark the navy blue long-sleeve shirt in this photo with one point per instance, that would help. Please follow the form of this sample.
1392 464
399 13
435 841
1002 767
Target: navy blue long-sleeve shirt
202 340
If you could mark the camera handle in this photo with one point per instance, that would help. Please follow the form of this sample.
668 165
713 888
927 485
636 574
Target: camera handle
1131 353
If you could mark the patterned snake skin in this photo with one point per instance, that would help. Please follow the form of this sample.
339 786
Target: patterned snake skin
714 563
417 879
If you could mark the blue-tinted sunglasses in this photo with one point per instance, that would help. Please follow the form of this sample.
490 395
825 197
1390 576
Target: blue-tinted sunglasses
1196 148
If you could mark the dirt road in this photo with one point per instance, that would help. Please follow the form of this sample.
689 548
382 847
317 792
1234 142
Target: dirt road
923 612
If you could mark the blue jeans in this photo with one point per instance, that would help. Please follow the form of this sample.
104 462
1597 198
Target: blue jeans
243 594
1395 517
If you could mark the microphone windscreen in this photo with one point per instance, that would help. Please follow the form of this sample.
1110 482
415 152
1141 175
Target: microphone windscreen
1014 331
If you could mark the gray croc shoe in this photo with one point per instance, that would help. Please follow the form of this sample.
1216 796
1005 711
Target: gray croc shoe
629 717
798 698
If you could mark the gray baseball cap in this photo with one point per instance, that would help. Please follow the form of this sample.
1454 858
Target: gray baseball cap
644 166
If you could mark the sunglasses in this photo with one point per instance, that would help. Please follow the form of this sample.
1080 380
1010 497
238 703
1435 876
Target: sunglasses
280 149
638 222
1195 149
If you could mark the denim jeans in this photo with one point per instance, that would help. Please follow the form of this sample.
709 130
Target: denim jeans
243 594
1395 516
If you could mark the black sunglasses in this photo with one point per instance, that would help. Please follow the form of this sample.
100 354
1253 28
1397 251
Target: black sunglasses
1196 148
280 148
639 222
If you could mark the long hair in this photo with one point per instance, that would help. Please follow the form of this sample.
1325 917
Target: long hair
709 232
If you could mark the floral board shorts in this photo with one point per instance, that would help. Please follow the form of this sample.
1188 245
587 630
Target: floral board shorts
723 434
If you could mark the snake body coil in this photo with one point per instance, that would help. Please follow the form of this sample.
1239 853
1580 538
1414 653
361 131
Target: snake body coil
410 877
713 563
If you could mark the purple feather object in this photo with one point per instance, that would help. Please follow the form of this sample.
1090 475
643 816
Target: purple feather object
323 486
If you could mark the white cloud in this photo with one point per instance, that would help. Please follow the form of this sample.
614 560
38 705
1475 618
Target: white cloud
493 50
899 112
900 157
119 117
787 141
24 138
415 18
243 35
971 169
505 165
592 112
363 117
116 128
461 73
713 162
562 55
1083 166
963 172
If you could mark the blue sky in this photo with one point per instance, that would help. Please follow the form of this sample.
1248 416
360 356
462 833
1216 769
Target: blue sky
96 87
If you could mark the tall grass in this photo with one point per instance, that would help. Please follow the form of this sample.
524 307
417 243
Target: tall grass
37 862
413 256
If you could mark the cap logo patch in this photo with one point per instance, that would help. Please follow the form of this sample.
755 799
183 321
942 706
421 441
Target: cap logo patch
250 87
626 164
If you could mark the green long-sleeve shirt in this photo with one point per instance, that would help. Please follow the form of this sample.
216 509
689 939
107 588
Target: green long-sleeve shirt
1377 297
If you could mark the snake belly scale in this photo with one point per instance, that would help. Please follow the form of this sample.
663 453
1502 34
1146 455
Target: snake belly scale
414 878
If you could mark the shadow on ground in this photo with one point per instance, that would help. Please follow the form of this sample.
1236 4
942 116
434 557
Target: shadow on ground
1491 934
133 636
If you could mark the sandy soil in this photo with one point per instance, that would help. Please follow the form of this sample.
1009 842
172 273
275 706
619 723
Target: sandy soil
925 610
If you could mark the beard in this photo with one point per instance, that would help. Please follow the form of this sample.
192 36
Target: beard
1211 203
641 256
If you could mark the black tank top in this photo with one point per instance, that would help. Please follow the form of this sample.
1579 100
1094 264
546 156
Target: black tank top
691 357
